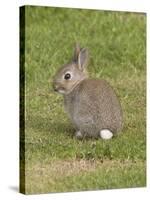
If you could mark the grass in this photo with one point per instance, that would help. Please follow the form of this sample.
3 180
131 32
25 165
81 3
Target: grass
84 175
55 160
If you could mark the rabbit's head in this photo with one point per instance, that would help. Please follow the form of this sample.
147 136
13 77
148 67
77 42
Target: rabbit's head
70 75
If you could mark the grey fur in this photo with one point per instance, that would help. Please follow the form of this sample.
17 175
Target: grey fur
91 104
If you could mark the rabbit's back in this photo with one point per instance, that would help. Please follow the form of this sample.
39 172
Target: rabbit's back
93 106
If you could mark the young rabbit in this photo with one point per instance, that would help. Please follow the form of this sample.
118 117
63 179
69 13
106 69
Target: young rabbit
91 104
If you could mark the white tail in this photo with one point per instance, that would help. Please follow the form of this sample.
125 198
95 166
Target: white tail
106 134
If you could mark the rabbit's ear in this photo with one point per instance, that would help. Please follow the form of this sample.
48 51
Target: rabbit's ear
76 52
83 59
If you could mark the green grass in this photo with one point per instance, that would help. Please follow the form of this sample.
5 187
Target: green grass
84 175
116 41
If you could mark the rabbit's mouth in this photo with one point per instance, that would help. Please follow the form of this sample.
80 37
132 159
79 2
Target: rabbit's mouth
60 90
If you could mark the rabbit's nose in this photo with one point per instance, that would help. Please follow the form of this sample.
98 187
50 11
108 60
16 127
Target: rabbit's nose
55 87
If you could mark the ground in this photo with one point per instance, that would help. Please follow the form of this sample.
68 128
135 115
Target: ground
55 161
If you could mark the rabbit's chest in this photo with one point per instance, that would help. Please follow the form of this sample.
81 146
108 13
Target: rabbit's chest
71 105
79 111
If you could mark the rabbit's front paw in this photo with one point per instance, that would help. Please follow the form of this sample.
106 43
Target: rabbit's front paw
78 135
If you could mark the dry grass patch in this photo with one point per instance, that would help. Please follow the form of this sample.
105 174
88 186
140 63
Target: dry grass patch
59 168
51 175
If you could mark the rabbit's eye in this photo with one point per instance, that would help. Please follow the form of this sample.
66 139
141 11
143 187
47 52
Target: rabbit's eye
67 76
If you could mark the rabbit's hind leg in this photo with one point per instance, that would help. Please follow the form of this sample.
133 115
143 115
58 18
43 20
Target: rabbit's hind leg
106 134
78 135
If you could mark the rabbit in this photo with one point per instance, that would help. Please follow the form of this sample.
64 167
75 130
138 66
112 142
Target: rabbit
91 104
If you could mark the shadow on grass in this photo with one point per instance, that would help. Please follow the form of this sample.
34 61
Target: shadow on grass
48 125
